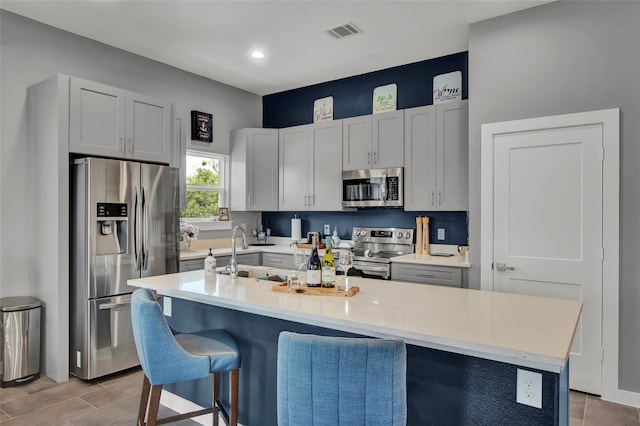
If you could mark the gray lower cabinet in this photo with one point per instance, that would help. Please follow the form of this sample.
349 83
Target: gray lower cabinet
429 274
278 260
252 259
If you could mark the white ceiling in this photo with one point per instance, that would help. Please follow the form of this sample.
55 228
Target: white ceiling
214 38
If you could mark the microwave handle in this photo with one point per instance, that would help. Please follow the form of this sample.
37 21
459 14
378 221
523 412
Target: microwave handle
383 189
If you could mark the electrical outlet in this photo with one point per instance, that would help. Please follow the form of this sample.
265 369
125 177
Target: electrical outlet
440 234
327 229
166 306
529 388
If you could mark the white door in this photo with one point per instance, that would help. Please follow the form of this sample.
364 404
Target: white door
543 230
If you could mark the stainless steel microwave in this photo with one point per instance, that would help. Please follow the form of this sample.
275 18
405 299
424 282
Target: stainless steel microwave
373 187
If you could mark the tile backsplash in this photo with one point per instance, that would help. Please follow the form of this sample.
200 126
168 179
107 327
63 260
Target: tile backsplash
455 224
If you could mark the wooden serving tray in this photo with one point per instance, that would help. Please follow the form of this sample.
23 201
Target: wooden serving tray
309 246
315 291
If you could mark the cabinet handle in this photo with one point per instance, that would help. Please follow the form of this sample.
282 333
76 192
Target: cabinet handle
433 198
129 146
311 200
425 275
375 157
122 145
249 200
369 157
439 198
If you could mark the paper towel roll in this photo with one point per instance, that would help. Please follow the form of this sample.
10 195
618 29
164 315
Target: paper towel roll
296 229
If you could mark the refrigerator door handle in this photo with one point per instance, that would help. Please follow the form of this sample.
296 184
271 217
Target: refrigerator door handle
145 231
136 229
106 306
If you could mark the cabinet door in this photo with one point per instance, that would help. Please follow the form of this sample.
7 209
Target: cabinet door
420 158
356 143
453 156
293 167
326 181
148 128
96 119
262 169
388 139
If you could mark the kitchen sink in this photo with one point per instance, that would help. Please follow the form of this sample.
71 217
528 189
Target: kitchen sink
247 271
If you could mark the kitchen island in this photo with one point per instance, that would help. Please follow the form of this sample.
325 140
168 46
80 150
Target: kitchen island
464 346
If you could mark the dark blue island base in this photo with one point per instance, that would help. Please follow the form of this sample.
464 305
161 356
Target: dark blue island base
443 388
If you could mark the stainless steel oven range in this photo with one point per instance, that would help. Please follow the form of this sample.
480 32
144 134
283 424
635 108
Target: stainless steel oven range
374 247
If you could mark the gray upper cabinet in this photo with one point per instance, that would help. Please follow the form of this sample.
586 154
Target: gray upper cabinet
254 170
436 157
373 141
311 167
111 122
293 154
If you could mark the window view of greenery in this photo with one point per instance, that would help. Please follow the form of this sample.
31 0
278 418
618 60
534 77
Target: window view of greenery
203 187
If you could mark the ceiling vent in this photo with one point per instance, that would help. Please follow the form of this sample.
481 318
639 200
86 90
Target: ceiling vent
344 30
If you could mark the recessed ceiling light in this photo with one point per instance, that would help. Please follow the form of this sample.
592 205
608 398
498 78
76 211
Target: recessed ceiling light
257 54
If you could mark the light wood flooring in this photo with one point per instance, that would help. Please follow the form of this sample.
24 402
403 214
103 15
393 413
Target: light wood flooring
114 401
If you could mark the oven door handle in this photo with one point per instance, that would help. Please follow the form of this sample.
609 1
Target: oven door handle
369 267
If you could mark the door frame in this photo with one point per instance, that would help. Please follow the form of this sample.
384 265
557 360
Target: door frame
609 120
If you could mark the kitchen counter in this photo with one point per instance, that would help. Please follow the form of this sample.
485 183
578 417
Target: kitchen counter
464 347
425 259
517 329
201 250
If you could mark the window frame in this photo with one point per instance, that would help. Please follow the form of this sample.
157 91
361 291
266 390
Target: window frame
206 223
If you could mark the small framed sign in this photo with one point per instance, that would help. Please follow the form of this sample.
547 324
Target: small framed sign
201 126
447 87
323 109
223 213
385 98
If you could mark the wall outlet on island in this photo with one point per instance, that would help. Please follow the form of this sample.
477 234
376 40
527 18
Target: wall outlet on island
529 388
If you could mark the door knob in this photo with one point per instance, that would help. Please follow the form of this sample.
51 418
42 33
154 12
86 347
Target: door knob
501 267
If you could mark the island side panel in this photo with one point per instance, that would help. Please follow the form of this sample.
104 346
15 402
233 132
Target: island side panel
442 387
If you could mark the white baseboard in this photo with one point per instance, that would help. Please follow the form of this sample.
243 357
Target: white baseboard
626 398
181 405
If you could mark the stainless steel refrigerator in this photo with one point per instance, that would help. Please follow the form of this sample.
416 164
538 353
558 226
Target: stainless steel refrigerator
124 224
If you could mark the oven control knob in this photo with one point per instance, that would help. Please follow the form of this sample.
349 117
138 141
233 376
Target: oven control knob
408 235
400 235
363 233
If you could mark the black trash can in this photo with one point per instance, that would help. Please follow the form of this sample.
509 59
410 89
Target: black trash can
20 345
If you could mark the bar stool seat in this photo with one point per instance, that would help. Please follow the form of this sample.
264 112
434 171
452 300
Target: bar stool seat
168 358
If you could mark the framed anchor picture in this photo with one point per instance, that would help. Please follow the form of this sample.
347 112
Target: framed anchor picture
201 126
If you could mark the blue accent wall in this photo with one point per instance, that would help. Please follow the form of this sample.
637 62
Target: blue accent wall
353 96
455 224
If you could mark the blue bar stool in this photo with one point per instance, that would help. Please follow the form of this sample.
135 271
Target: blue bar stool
341 381
169 358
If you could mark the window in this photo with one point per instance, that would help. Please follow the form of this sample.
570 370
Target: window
206 185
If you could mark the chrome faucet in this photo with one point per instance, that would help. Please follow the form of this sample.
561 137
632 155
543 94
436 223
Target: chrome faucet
233 266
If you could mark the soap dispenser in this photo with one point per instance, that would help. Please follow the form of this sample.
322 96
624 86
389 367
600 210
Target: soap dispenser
210 264
335 240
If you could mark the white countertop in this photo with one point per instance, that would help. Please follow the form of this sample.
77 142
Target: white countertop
522 330
200 253
425 259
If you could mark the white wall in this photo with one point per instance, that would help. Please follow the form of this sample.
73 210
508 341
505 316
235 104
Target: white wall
566 57
31 52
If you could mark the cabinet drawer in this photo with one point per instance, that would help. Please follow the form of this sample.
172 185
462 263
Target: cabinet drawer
191 265
252 259
277 260
438 275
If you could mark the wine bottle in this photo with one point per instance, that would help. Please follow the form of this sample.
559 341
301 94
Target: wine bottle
314 273
328 267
